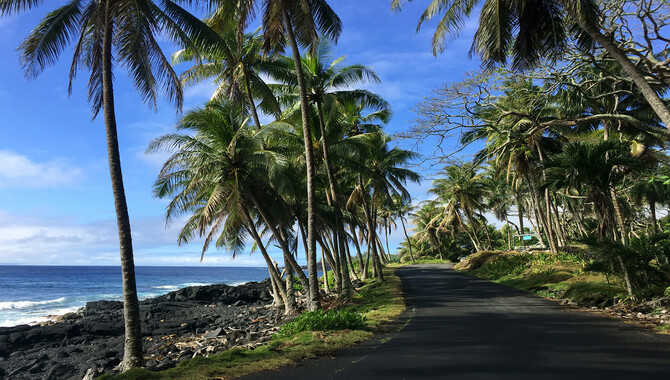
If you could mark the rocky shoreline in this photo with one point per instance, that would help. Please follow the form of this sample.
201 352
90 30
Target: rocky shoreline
193 321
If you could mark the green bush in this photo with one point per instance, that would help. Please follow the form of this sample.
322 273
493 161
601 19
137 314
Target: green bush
320 321
593 294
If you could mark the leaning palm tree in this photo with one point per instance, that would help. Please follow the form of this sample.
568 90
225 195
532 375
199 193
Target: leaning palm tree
108 33
533 29
295 22
462 191
214 175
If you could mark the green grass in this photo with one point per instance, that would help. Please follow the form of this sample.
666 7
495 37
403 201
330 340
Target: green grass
376 304
319 321
419 261
551 276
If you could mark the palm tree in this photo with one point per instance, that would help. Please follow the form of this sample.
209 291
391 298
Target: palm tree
533 29
217 173
236 65
295 22
461 190
381 177
593 167
326 85
403 208
101 28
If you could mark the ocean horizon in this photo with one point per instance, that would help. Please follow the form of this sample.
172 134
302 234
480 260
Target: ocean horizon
34 293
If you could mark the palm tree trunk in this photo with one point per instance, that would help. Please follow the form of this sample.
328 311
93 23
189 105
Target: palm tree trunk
351 265
132 354
547 220
289 260
325 273
250 99
382 252
488 235
386 237
619 217
472 239
339 223
626 276
635 74
409 242
521 232
560 233
474 230
358 250
509 235
314 299
334 265
275 276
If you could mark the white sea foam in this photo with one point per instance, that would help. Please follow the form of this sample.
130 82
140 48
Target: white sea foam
194 284
236 283
13 305
169 287
23 319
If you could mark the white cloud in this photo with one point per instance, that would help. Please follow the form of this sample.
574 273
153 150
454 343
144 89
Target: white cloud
36 240
21 171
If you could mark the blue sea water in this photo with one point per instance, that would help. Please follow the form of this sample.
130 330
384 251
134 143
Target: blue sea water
28 294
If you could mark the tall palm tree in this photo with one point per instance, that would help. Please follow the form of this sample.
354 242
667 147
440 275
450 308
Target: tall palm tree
381 176
295 22
100 29
533 29
326 85
217 173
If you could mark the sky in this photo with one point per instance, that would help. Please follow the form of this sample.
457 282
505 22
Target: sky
56 204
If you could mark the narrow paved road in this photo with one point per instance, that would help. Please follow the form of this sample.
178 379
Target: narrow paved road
465 328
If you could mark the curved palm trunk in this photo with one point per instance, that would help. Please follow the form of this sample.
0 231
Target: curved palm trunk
250 99
652 214
635 74
314 299
275 276
354 275
334 265
509 235
289 260
340 237
546 219
474 229
465 228
132 354
409 242
361 267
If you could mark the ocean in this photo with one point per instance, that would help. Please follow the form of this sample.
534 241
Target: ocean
28 294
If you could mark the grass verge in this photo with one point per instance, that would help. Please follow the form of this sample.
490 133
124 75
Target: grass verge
551 276
378 303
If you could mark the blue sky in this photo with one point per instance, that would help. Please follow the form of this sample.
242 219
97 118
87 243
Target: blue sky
56 205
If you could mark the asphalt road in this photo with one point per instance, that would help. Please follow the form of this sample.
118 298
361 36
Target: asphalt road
465 328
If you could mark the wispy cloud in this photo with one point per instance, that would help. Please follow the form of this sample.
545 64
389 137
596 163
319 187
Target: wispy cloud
21 171
36 240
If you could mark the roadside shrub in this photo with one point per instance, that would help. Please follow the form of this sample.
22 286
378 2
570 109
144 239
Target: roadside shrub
593 294
505 264
320 321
